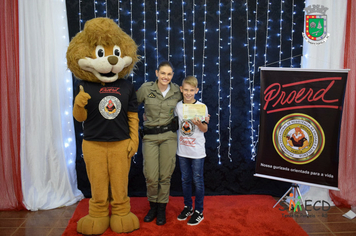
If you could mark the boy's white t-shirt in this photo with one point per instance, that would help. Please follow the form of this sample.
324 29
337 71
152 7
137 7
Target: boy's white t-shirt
191 141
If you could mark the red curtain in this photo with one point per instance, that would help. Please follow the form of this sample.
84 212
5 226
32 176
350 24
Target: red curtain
347 163
10 169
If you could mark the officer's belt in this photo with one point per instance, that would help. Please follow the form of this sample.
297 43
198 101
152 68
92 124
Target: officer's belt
157 129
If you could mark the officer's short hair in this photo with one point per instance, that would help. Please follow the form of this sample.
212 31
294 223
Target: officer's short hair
191 80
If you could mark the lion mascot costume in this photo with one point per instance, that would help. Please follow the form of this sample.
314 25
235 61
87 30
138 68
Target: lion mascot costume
101 57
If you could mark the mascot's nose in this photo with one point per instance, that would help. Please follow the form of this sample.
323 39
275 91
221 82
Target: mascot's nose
113 60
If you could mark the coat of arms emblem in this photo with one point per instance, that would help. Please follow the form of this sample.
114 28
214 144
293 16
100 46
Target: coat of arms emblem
315 24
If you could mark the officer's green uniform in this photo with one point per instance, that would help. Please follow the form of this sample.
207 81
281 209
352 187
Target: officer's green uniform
159 150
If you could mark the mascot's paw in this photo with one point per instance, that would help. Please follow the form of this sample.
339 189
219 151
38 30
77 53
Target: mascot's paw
82 98
93 225
124 224
132 148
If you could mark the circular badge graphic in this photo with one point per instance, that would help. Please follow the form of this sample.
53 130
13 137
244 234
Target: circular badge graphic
187 128
298 138
110 107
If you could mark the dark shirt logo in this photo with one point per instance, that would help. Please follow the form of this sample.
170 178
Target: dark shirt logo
110 90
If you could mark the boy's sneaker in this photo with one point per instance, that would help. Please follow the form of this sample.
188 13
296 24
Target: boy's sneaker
185 213
196 218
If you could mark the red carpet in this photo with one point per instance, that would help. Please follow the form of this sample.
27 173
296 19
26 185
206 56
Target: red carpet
223 215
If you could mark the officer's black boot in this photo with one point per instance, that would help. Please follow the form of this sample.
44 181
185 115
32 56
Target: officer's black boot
152 213
161 213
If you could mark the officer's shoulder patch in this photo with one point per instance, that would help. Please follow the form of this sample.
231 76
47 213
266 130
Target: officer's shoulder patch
147 84
150 83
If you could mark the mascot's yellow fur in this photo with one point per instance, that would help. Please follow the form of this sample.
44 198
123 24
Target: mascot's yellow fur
101 56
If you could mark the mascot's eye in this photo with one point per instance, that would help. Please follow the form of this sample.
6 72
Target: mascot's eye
100 51
117 51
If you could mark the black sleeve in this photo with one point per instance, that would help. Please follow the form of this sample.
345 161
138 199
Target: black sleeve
133 105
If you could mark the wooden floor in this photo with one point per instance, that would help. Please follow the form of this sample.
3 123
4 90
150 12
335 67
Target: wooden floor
324 222
54 222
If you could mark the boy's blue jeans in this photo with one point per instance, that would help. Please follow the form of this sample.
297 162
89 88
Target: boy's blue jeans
192 171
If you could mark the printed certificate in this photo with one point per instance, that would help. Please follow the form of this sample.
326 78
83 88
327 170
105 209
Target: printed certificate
191 111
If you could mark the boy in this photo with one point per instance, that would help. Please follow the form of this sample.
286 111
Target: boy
191 152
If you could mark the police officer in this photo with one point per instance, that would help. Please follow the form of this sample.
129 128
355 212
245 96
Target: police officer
160 138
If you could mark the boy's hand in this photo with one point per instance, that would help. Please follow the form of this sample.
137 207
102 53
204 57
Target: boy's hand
202 126
196 121
207 119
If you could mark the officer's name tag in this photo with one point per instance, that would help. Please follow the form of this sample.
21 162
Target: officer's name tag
191 111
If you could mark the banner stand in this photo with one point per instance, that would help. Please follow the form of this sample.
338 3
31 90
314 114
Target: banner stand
295 191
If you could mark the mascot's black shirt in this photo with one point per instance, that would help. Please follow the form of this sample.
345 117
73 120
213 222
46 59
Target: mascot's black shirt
107 110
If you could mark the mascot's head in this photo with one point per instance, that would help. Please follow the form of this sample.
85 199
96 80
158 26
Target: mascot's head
102 52
298 134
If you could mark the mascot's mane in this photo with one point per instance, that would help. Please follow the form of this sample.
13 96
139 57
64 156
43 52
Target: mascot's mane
101 31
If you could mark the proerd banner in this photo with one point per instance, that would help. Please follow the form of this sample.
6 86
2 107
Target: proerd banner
300 120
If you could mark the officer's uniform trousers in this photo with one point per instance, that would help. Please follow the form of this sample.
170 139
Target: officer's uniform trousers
159 150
